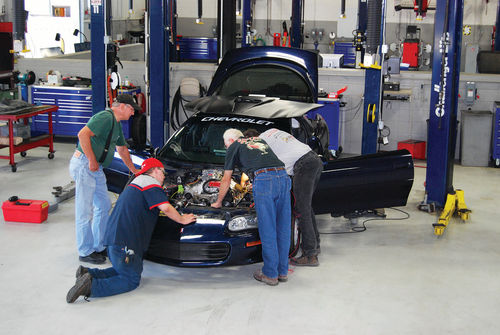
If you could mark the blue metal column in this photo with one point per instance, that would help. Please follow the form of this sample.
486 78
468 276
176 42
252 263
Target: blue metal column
497 31
444 100
158 71
371 111
246 23
362 15
98 57
296 29
373 96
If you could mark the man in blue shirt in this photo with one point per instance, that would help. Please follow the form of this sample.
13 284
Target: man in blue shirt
128 235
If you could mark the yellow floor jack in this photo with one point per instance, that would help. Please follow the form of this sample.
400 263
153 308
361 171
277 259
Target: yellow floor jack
455 204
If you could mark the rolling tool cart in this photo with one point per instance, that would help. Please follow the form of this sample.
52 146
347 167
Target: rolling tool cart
33 142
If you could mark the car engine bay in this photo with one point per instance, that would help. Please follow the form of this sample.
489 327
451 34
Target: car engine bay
200 187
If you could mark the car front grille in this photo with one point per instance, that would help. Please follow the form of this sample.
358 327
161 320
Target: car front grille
176 252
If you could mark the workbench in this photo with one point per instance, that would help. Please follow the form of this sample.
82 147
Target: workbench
33 142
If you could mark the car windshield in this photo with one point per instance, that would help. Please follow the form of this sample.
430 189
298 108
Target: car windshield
270 81
200 139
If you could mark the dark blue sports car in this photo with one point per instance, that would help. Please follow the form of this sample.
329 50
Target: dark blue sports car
259 88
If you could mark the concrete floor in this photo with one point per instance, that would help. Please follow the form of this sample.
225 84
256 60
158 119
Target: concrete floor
394 278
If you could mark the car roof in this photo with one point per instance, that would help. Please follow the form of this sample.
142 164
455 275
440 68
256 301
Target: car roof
256 106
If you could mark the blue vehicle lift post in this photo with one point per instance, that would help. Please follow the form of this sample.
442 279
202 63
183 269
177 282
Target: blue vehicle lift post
98 57
497 29
226 26
297 21
442 131
159 36
373 78
246 23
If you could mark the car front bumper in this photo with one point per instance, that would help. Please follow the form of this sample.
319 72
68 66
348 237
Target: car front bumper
207 242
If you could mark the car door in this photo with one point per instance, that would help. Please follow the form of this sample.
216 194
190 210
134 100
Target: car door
373 181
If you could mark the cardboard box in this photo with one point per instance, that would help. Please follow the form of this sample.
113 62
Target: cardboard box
5 140
25 210
415 147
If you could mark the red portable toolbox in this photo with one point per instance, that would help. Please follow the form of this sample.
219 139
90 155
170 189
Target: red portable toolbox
25 210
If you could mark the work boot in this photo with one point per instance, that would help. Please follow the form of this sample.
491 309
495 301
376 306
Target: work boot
93 258
305 261
82 287
258 275
282 279
103 252
81 271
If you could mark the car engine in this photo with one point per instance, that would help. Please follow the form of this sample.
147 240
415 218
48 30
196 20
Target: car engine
201 188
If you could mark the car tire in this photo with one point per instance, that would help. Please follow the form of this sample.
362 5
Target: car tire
294 236
139 130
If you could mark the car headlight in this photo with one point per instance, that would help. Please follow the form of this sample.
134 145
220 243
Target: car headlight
242 222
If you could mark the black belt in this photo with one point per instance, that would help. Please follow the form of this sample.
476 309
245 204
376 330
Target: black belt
268 170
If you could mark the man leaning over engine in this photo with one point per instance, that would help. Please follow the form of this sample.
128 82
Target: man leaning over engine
271 193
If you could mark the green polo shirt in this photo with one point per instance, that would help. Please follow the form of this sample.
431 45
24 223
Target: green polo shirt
101 124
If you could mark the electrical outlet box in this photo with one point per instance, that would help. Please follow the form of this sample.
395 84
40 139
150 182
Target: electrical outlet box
470 93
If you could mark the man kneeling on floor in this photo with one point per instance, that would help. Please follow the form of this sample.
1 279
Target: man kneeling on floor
131 225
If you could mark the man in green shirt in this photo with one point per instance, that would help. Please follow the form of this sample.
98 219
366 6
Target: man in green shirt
97 142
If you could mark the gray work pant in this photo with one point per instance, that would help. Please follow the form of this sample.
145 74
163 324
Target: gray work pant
306 174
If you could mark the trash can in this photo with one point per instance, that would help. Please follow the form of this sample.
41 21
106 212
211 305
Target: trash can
475 138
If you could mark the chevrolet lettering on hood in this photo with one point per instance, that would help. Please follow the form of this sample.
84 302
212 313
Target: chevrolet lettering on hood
235 119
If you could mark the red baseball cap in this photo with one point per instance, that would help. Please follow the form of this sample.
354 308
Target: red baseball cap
149 164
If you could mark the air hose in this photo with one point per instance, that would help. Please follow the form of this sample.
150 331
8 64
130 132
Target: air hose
189 87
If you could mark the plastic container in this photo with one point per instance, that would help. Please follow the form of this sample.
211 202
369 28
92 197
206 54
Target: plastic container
25 210
20 130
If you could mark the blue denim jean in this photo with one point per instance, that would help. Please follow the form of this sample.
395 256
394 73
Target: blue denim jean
124 276
271 193
92 205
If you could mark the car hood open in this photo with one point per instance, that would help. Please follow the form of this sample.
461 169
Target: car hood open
263 107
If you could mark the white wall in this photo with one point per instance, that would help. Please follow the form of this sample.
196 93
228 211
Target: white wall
42 26
120 11
475 11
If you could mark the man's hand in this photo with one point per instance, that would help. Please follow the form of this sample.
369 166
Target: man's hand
223 188
216 204
135 171
187 219
93 165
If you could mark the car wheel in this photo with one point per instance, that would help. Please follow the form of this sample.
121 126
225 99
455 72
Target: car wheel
294 237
